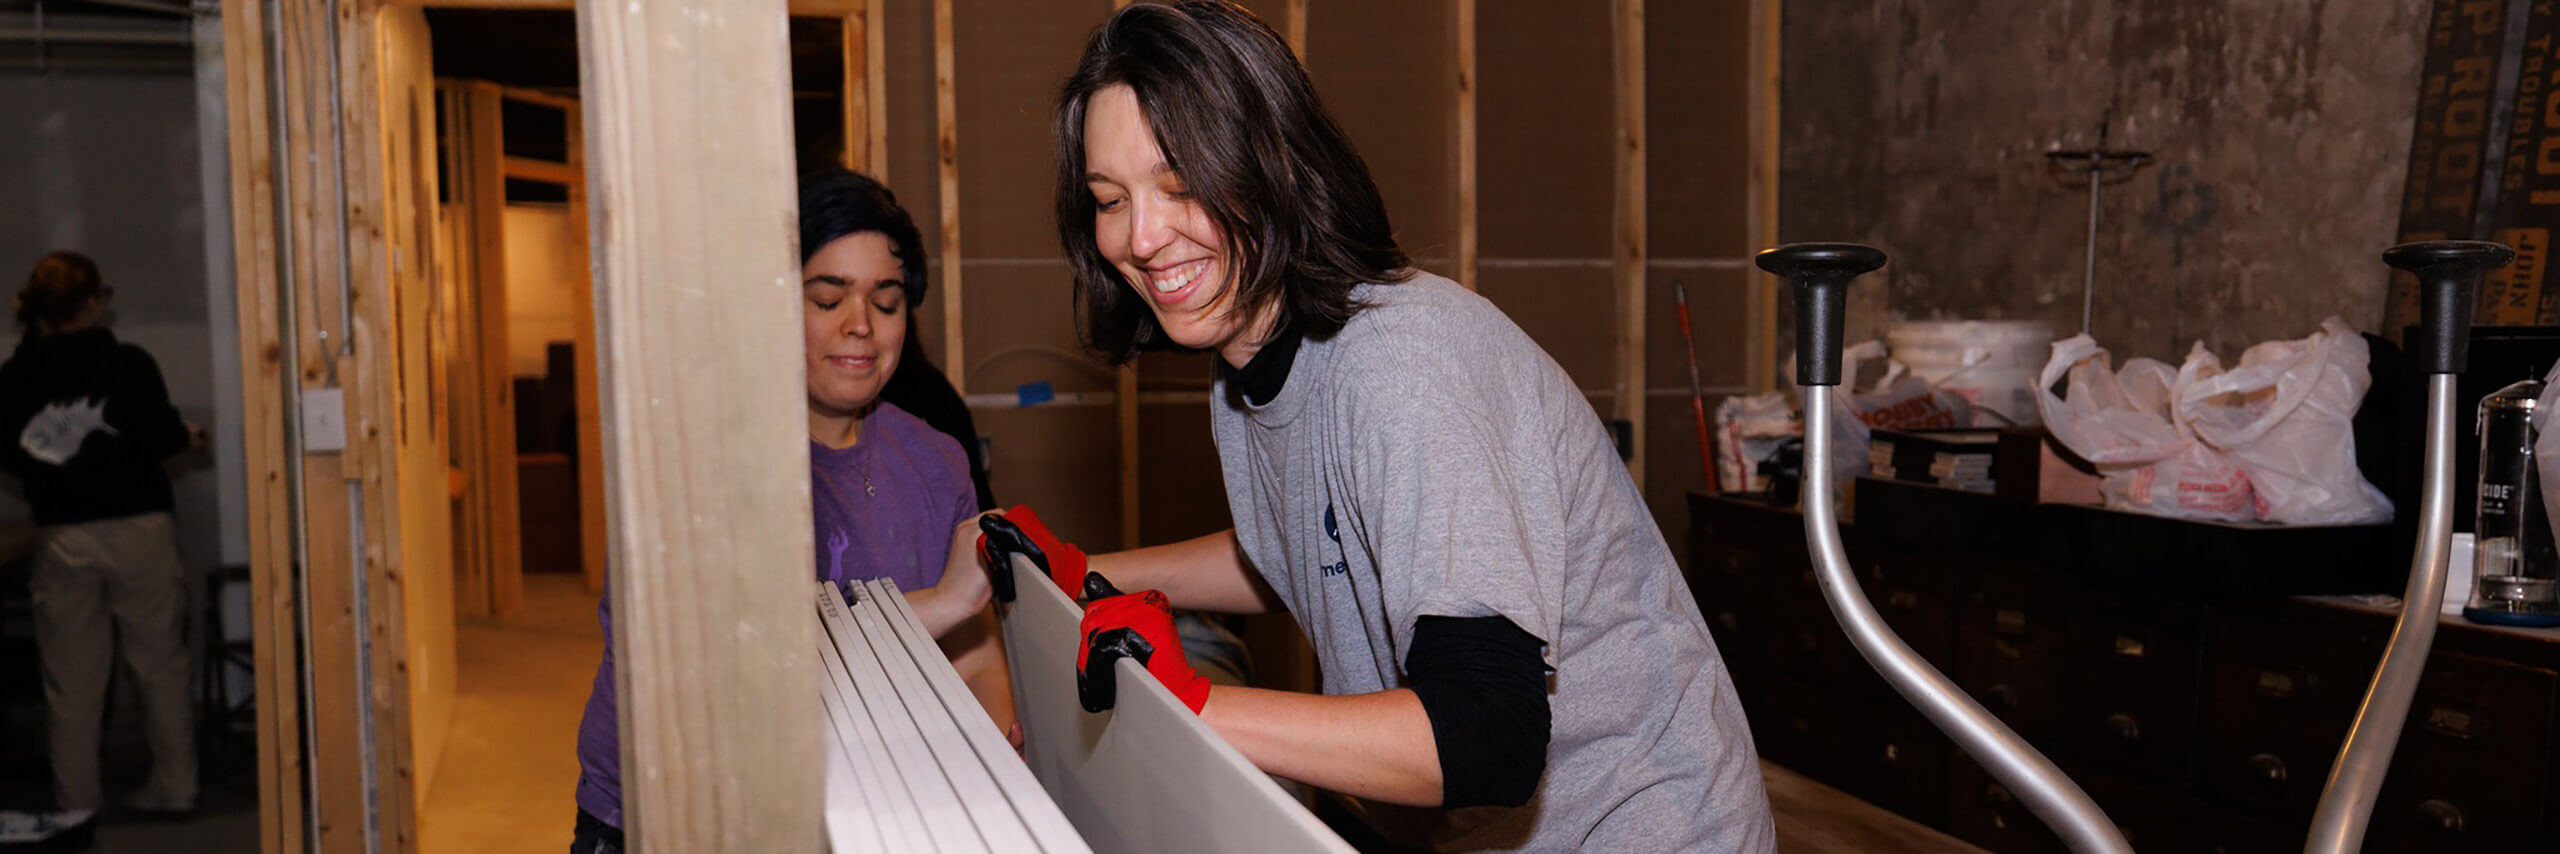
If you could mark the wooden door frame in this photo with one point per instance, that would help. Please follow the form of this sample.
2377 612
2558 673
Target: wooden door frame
314 273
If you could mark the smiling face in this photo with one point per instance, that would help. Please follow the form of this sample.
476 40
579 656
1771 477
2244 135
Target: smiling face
854 319
1147 224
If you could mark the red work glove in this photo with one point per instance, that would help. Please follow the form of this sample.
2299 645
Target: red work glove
1019 532
1137 626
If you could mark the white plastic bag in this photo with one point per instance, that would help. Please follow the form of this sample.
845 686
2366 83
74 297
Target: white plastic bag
2286 412
1749 430
1897 401
1900 400
2121 422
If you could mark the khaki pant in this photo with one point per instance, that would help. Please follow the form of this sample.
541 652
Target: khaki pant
95 584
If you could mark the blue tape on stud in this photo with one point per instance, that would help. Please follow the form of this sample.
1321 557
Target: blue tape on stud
1031 393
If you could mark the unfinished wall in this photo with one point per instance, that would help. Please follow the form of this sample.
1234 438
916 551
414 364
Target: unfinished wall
2280 131
543 266
1387 71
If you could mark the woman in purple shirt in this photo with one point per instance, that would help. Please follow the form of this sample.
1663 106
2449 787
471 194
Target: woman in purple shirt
891 497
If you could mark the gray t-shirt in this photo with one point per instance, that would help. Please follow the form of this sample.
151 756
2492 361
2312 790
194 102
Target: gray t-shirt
1431 460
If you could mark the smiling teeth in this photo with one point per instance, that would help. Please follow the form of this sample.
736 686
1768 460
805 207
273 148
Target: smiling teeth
1169 285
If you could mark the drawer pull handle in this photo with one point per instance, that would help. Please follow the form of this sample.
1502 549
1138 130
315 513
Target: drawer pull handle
2442 816
2009 621
2129 647
1904 599
2268 765
2126 726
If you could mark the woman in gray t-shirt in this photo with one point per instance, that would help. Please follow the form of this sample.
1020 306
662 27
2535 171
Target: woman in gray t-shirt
1511 658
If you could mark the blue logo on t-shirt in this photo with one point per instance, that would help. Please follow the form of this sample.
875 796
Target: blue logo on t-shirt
1333 532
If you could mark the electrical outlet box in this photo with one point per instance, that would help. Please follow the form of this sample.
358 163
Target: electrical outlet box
324 420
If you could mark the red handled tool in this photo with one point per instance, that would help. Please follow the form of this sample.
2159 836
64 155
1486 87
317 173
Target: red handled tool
1697 393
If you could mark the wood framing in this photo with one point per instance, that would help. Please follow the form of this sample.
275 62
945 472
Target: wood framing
537 96
1125 397
1628 226
946 141
710 518
274 597
593 540
311 223
1298 29
1760 222
417 649
856 88
492 575
875 84
1468 251
527 168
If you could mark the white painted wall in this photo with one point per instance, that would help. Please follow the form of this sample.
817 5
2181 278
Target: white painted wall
543 264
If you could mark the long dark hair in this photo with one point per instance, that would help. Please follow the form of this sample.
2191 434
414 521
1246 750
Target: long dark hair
57 291
835 202
1240 123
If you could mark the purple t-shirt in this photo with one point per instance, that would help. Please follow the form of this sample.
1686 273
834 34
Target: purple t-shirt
884 508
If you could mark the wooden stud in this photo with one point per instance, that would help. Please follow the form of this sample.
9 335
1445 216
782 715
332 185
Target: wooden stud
413 653
375 211
273 595
856 89
1125 397
464 395
1298 29
529 169
1628 228
330 220
946 140
594 541
875 78
566 103
1760 220
478 195
498 415
1467 214
710 518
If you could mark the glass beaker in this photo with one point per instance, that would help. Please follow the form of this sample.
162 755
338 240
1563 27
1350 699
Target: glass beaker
2516 578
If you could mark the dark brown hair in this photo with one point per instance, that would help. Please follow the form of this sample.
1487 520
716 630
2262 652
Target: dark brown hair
1238 120
836 202
58 290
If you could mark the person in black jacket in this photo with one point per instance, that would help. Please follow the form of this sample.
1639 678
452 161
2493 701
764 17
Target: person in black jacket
85 423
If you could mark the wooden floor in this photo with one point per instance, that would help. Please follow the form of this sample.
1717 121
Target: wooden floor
1813 817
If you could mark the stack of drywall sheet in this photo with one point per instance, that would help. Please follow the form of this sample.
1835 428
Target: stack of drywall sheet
914 764
1148 776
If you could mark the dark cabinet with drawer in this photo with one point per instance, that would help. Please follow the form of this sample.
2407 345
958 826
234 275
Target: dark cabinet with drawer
2474 765
2178 677
2129 662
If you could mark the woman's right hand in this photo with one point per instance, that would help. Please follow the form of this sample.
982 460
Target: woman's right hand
964 590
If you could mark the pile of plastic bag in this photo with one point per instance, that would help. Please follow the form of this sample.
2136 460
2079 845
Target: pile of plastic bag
2267 440
1750 429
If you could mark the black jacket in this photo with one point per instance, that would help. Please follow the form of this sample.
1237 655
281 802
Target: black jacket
52 391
